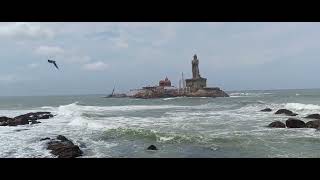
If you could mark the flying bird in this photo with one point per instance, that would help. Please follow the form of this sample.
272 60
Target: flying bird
53 62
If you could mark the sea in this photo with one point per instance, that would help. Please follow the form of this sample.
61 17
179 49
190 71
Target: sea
182 127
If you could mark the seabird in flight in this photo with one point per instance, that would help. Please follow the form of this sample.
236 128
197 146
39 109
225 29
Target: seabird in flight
53 62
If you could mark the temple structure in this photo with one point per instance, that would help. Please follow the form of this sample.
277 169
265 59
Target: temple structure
165 83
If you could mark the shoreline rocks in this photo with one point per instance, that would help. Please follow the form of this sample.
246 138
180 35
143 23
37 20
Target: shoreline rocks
277 124
313 124
29 118
313 116
286 112
63 147
295 123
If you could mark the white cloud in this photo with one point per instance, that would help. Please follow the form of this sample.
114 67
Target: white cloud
22 30
49 50
96 66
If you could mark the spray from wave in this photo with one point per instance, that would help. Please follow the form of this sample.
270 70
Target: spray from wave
301 107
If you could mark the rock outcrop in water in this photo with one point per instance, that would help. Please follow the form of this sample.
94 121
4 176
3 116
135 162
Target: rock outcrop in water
25 119
295 123
313 124
266 110
4 121
313 116
152 147
208 92
277 124
193 87
286 112
64 148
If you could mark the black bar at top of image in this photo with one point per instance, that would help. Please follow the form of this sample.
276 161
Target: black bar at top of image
158 11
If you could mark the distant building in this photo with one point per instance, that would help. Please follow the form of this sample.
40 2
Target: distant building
165 82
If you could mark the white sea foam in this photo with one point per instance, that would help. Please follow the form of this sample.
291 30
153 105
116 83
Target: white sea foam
247 94
75 107
299 106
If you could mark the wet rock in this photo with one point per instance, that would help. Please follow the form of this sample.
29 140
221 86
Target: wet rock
313 124
286 112
35 116
4 123
266 110
152 147
16 122
18 130
62 138
43 139
277 124
25 119
35 122
295 123
313 116
4 119
64 148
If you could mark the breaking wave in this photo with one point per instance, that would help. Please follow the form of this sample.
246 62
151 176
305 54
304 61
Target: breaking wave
299 106
246 94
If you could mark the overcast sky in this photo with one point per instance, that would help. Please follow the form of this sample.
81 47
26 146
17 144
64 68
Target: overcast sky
95 56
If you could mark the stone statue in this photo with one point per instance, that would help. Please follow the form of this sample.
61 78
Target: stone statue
195 67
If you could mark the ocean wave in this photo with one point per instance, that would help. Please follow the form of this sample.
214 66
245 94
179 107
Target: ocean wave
247 94
172 98
136 134
76 106
300 106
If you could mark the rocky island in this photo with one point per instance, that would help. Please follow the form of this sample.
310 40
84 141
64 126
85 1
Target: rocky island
193 87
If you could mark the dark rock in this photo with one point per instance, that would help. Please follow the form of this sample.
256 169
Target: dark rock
152 147
35 122
64 148
43 139
295 123
35 116
16 122
18 130
313 116
62 138
46 116
4 119
266 110
313 124
25 119
277 124
4 123
286 112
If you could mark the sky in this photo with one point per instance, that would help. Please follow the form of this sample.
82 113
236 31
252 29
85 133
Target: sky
95 56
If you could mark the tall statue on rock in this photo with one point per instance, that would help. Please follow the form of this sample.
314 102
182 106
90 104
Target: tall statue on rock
195 68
